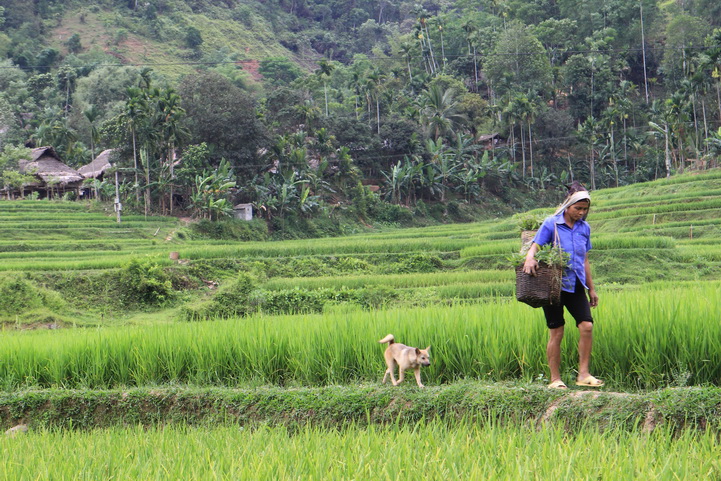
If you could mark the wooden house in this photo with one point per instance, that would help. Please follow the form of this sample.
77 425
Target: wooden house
51 176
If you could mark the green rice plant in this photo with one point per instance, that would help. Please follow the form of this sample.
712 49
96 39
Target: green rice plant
349 245
101 262
428 450
489 248
643 339
395 280
632 242
713 203
649 199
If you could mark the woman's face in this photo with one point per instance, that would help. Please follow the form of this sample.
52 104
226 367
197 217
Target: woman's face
578 210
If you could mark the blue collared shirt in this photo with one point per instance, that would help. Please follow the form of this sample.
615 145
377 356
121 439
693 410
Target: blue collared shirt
575 240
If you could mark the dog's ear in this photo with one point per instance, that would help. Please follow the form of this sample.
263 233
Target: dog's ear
428 348
418 352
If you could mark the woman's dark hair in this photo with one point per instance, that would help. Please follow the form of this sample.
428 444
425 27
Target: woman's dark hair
575 186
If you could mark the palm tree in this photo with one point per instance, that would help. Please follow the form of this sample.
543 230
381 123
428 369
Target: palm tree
710 61
440 112
325 68
625 108
406 49
172 131
588 133
309 111
608 120
526 109
134 114
92 113
373 85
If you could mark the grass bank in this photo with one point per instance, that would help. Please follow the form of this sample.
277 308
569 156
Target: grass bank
340 407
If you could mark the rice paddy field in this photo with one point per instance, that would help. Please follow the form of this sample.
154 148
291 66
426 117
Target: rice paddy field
311 321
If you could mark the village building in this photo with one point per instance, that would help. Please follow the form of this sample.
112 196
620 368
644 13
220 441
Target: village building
51 177
95 170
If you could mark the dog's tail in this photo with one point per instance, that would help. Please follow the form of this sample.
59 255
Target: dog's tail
389 339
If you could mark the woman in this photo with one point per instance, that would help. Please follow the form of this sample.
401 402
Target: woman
574 236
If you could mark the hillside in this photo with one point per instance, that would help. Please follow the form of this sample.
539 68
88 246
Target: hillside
361 111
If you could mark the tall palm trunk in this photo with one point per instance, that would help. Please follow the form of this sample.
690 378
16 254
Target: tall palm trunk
523 150
530 145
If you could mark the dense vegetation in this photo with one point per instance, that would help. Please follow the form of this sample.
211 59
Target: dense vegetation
252 349
293 106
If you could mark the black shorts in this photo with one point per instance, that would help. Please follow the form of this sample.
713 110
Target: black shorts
577 305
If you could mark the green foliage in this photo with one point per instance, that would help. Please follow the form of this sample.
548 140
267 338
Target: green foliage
193 38
231 300
210 197
279 70
529 221
23 299
74 44
547 254
145 283
234 229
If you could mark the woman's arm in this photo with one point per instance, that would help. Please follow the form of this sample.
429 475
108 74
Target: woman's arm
529 267
592 296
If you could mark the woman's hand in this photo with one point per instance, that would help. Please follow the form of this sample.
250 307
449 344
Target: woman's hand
529 267
592 297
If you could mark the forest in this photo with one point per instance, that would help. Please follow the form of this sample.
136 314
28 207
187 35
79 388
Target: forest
373 110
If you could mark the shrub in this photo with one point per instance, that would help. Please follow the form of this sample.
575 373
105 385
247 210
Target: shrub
391 213
234 229
145 283
417 263
20 295
231 300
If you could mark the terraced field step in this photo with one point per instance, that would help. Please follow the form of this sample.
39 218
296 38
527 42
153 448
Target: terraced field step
338 406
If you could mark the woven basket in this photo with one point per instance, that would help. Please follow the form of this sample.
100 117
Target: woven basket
527 239
543 289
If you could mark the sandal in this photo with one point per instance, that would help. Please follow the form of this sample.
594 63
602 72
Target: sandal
557 385
589 381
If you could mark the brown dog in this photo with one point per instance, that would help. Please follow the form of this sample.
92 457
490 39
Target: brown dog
405 357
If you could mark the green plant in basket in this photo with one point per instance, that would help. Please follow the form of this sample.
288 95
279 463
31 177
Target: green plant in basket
547 254
530 221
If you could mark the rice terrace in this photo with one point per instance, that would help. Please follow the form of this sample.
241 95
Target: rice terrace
260 360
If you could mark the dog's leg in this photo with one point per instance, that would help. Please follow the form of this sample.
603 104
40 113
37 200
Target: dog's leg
393 378
391 363
417 372
385 376
401 375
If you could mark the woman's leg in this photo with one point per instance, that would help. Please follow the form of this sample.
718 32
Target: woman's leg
585 342
553 352
555 323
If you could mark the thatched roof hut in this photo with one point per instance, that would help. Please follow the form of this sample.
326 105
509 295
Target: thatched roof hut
96 168
51 173
46 165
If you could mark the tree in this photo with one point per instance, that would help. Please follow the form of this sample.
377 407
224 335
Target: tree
588 134
279 70
325 68
439 112
519 62
92 114
193 38
683 32
224 117
73 44
172 132
131 118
